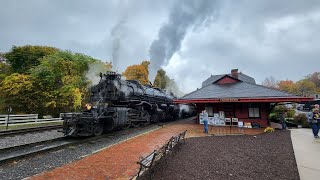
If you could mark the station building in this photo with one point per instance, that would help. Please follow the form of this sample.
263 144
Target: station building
237 96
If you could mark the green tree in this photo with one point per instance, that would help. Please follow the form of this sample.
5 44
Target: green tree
61 81
4 70
161 79
23 58
305 87
2 57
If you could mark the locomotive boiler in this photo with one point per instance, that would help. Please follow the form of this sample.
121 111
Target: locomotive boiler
116 103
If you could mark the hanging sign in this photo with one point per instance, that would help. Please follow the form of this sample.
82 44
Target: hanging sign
9 109
228 100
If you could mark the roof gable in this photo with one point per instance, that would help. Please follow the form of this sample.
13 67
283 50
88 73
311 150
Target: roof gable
226 80
241 76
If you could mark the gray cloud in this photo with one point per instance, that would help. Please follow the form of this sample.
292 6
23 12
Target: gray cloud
190 39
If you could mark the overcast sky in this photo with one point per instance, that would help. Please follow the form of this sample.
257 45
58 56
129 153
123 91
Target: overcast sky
190 39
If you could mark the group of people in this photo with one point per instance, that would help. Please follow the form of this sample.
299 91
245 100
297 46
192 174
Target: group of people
314 121
313 118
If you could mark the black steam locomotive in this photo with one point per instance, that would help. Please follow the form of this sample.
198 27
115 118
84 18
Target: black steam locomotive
116 104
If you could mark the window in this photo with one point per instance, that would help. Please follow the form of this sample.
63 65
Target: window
254 111
209 110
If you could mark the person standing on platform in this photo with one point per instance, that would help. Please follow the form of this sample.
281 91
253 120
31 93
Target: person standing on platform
314 123
205 121
283 120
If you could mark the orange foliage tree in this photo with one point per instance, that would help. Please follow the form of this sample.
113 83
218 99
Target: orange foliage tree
287 86
137 72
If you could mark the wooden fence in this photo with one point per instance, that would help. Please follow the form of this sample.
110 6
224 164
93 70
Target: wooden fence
24 118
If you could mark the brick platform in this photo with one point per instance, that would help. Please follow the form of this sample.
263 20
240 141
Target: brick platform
119 161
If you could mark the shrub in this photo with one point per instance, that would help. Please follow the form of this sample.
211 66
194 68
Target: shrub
273 116
302 120
268 129
290 113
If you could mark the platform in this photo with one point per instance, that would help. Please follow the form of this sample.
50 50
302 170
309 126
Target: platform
119 160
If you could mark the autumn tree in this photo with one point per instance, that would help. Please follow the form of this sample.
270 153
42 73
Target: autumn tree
146 64
270 82
23 58
136 72
287 86
17 91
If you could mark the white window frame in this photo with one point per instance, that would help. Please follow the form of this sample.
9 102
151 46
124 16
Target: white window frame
254 111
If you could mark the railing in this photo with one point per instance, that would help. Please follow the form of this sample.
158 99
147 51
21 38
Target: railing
24 118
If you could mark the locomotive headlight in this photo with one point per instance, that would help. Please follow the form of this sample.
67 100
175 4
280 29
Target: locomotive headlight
88 106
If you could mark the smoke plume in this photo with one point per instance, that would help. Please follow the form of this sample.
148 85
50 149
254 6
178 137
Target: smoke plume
182 16
117 34
172 88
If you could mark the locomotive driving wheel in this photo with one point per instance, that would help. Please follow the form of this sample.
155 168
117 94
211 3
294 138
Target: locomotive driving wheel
98 130
135 124
128 125
145 117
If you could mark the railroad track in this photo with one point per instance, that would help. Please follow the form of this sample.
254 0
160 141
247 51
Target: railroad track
28 150
17 152
27 130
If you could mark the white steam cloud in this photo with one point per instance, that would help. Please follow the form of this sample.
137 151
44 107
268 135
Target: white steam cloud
172 88
94 71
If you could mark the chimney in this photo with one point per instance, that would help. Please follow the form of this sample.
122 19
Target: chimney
234 73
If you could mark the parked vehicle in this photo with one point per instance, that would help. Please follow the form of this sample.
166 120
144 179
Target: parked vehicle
300 107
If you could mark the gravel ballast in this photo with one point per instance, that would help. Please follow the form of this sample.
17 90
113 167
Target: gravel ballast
27 138
268 156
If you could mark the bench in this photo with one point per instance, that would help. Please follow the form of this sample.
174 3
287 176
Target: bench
147 162
171 143
183 136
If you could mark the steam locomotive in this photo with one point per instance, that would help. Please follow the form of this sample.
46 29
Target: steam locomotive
116 104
